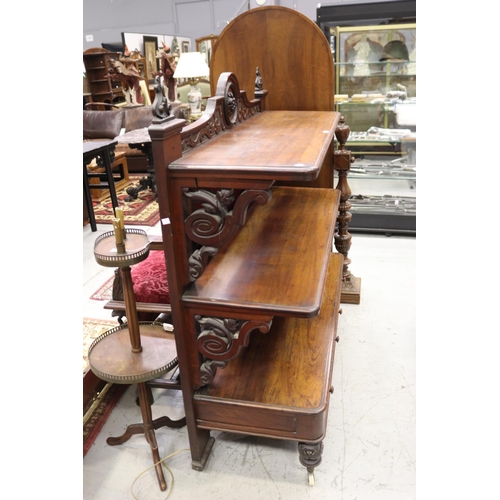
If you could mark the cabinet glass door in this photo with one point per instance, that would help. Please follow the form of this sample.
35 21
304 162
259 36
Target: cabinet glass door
375 68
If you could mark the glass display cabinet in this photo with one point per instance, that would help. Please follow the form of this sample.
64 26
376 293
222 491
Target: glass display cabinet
376 92
373 44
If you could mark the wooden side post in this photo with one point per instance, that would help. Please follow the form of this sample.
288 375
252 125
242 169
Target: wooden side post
351 286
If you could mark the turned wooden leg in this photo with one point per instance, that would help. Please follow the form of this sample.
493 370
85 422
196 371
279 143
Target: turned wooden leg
310 457
351 286
149 432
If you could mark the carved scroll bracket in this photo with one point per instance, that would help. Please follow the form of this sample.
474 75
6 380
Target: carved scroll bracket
221 339
212 225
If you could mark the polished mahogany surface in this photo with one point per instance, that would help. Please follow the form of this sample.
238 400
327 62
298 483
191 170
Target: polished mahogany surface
281 376
277 262
272 145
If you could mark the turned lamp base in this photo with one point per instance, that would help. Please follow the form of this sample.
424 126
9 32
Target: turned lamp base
136 352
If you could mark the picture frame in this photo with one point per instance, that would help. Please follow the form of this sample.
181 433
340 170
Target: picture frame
185 47
150 50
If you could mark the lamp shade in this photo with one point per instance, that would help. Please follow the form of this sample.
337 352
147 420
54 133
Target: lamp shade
191 65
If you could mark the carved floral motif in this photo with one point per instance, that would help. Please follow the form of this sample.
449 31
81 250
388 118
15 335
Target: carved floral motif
221 339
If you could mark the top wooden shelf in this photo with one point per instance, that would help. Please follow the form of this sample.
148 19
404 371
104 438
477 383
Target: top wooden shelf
291 145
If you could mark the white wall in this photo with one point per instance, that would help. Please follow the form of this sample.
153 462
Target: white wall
105 20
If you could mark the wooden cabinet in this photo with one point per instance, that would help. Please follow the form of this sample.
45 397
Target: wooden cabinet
254 284
102 88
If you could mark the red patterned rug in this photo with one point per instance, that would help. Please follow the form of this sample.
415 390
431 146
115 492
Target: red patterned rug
140 212
93 425
96 413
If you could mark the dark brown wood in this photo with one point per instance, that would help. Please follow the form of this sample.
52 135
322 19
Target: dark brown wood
296 70
250 285
285 160
295 62
136 352
275 388
103 151
148 427
351 286
274 235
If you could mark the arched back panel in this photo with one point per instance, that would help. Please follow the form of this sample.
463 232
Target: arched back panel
291 52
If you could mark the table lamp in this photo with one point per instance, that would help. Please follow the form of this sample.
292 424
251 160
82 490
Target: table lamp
192 66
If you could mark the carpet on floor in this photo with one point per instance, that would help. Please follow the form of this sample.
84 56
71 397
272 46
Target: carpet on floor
98 412
105 291
140 212
92 328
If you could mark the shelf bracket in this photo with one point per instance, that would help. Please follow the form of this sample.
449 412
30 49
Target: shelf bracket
221 339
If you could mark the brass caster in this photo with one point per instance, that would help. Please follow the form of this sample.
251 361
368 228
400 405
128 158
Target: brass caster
311 478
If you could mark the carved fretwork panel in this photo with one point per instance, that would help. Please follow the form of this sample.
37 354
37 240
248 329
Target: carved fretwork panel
221 339
228 108
212 225
208 370
244 112
213 126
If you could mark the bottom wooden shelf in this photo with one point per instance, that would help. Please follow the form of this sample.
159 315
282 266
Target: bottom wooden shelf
280 385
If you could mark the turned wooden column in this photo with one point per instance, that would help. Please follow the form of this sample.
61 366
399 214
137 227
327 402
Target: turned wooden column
351 286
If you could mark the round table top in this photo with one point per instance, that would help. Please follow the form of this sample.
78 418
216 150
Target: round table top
111 358
136 248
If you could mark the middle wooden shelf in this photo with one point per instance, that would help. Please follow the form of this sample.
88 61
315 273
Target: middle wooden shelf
264 253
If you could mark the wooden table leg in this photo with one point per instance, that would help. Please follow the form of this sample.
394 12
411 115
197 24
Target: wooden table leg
149 433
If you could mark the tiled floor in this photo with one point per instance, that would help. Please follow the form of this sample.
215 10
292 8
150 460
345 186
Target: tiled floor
370 446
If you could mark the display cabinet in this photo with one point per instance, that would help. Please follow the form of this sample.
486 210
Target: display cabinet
376 92
374 50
